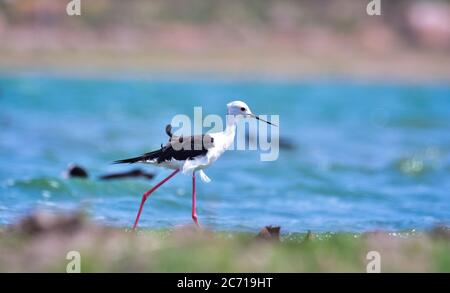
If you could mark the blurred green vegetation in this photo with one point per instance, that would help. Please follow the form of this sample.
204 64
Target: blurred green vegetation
190 250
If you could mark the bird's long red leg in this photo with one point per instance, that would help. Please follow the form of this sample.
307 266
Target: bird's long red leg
147 194
194 201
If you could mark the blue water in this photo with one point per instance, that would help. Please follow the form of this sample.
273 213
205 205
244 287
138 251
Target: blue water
368 155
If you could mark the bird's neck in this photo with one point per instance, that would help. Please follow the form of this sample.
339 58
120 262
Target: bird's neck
230 129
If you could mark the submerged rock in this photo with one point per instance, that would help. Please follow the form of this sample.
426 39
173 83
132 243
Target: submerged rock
287 144
133 173
76 171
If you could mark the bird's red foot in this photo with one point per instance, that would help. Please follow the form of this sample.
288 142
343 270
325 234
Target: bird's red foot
195 218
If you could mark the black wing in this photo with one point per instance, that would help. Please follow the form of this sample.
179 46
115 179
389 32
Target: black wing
178 148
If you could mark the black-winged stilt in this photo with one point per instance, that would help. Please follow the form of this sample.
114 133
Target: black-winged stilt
194 153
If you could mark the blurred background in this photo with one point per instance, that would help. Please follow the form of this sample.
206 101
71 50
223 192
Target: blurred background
364 104
288 37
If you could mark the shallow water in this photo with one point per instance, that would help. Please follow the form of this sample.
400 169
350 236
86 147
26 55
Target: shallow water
368 155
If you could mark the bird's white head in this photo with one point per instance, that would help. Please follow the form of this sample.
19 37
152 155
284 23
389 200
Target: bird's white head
241 109
238 108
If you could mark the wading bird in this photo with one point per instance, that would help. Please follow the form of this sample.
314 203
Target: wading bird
194 153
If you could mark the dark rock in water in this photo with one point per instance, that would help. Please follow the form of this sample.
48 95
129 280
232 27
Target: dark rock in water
42 222
133 173
269 233
287 144
75 171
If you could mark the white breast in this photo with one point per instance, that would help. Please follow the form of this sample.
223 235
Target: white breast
221 143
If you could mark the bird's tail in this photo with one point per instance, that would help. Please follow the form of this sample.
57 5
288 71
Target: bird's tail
143 158
129 160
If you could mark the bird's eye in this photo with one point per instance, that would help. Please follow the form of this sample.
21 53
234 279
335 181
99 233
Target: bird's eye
243 109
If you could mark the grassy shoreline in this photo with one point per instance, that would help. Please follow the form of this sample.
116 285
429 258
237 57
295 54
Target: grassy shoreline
33 247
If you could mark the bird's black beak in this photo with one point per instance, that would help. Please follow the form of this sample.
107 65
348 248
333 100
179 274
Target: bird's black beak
260 119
